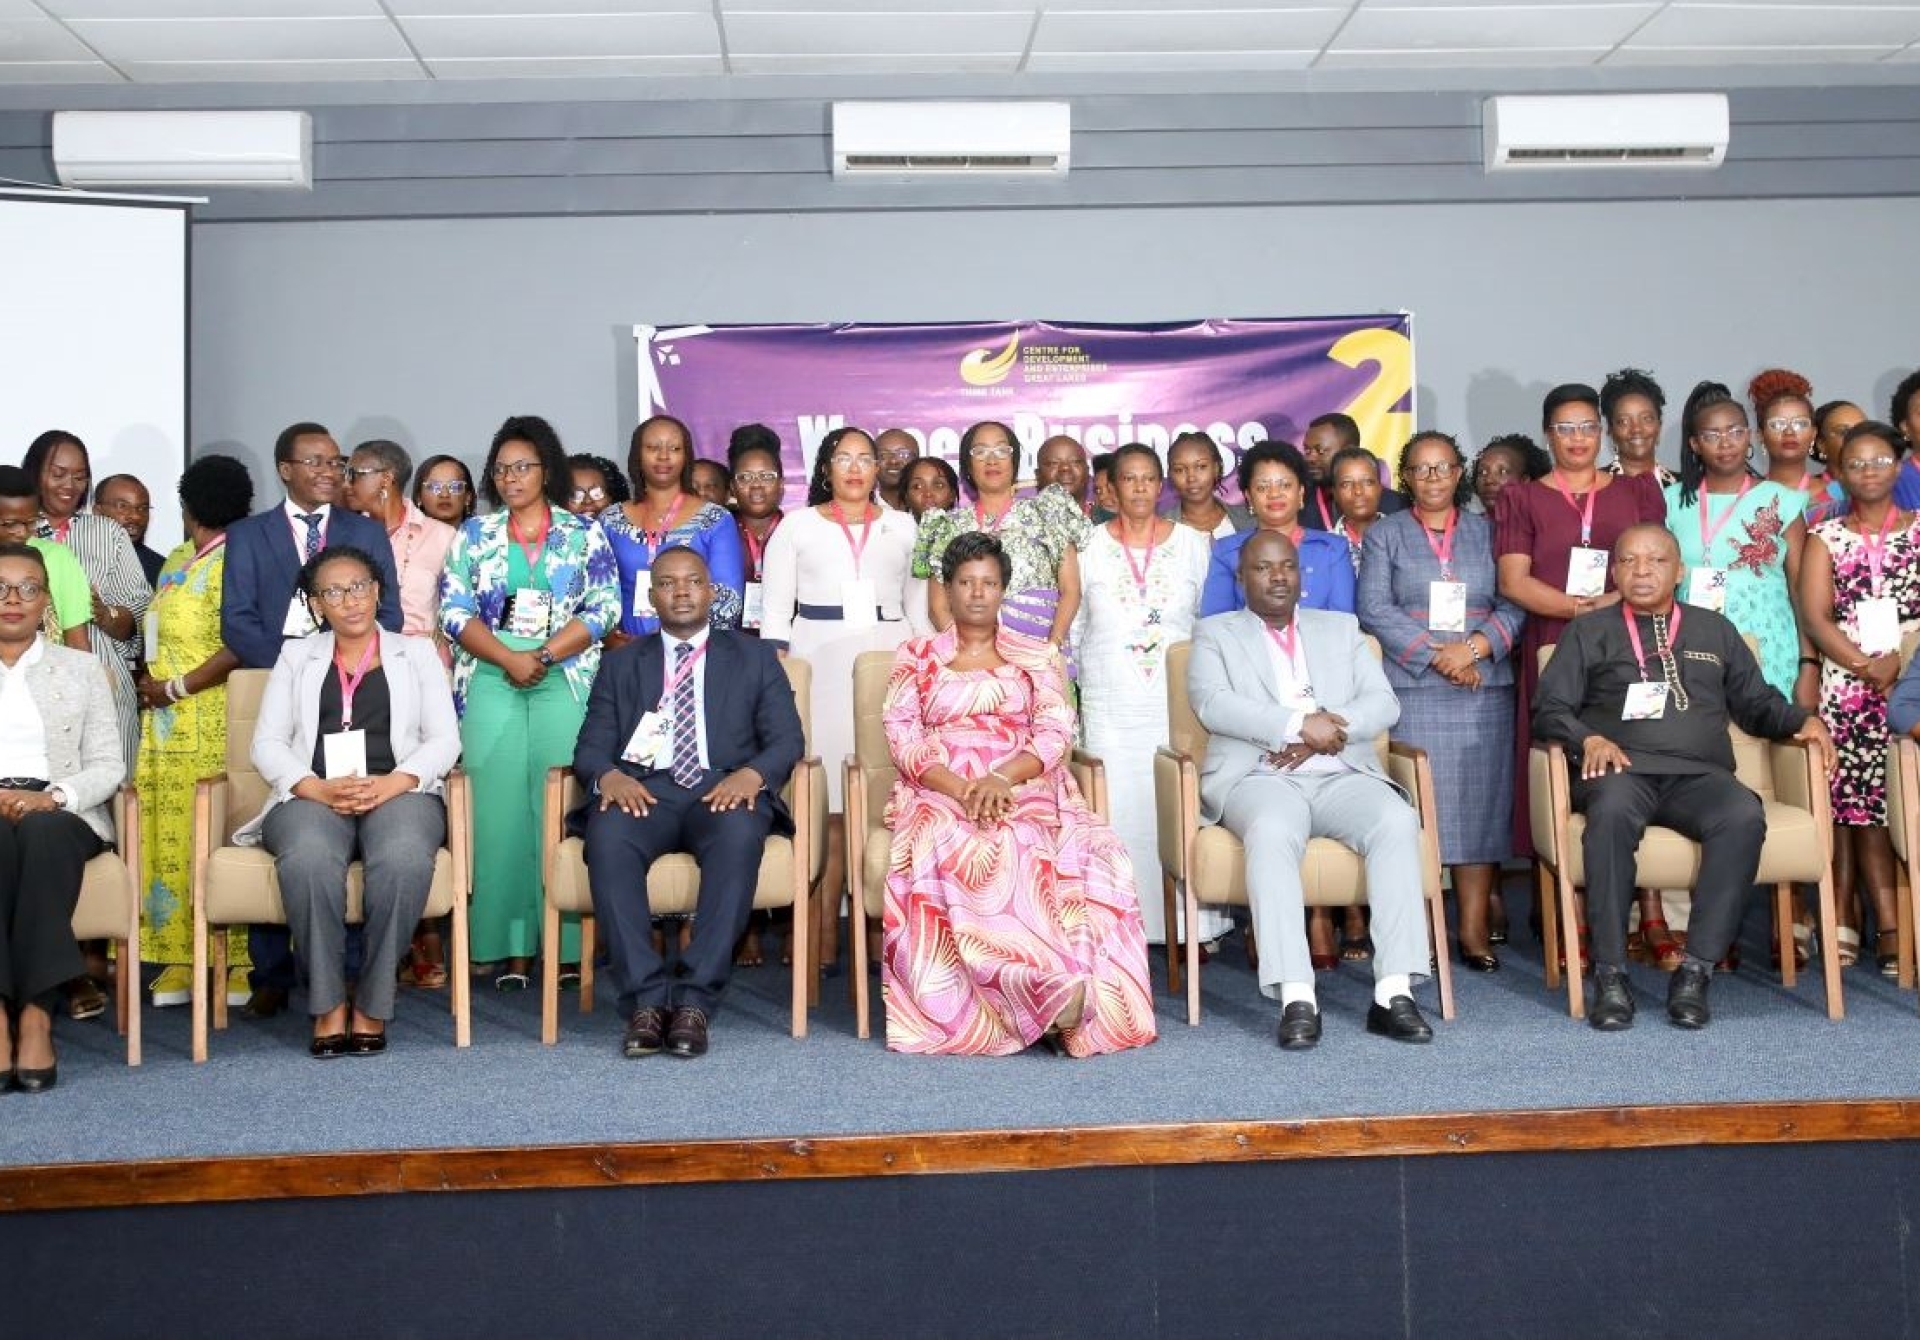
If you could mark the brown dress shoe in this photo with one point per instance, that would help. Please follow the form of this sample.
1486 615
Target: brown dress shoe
687 1034
646 1032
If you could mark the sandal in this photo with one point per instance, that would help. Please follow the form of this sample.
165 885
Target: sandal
420 970
1357 951
1663 951
511 981
569 978
1887 961
85 999
1846 946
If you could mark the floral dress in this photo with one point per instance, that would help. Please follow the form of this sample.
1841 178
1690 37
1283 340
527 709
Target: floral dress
989 930
1037 532
1855 711
1750 547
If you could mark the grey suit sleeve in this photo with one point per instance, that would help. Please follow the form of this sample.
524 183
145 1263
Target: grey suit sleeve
1373 709
1222 709
102 766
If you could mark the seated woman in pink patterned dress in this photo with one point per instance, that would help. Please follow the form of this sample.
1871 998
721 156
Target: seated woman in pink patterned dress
1010 907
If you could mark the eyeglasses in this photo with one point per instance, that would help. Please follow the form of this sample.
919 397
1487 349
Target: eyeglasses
845 462
331 465
333 597
1584 428
27 590
127 508
1438 470
361 472
446 488
997 453
514 469
756 477
1713 437
1859 465
1797 424
898 453
594 494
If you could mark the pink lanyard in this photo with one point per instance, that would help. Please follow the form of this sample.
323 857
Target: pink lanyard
679 677
657 538
1139 570
1633 635
62 530
1876 548
1320 504
180 578
859 546
1586 515
1443 547
531 550
349 685
1289 644
757 544
1707 535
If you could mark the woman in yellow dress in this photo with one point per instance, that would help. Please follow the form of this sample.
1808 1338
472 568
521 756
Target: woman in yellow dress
183 733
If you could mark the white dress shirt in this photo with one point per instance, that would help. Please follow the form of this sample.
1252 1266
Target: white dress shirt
670 646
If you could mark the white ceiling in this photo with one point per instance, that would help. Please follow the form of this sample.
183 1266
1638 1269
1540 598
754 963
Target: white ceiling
200 41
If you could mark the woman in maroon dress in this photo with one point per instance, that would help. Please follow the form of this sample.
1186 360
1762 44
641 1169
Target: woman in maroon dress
1552 538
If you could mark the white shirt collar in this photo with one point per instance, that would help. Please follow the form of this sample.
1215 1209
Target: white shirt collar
33 655
294 513
697 641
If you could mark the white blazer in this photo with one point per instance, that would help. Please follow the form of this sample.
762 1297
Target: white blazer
424 731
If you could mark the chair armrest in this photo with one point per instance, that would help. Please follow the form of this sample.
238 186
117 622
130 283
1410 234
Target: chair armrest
1090 774
209 814
459 802
1800 778
1547 798
126 819
1410 767
1404 763
816 800
553 814
1176 807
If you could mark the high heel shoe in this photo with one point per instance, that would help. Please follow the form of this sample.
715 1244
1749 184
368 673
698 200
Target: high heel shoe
36 1081
1488 962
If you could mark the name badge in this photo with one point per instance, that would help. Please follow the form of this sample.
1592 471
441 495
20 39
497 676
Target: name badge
753 605
530 613
857 601
344 752
1707 588
1645 702
1878 622
150 636
1447 607
643 594
1586 573
651 743
299 621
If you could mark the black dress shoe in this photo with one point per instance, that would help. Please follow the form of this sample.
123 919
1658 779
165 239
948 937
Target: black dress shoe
265 1002
366 1044
327 1046
36 1081
646 1032
1612 1009
1687 994
687 1032
1299 1027
1400 1020
1487 962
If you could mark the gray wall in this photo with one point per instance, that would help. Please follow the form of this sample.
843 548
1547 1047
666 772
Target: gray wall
432 331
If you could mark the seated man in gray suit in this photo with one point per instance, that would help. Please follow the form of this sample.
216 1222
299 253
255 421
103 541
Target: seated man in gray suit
1296 702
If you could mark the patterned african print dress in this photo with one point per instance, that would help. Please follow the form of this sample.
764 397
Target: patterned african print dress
1853 709
180 744
1037 533
1748 534
989 931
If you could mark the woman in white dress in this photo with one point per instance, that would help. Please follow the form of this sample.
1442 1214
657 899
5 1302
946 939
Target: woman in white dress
837 579
1140 580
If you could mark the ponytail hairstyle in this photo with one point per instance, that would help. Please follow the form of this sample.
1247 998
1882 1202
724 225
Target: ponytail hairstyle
1707 395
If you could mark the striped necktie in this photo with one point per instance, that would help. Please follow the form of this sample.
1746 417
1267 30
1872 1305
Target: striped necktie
686 731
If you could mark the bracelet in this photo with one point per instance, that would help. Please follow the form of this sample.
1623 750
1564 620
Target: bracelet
1474 647
1003 777
177 688
1810 660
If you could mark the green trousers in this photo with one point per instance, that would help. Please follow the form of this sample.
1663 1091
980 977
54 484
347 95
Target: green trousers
510 737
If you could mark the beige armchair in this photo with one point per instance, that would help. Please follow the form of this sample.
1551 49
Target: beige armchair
1207 864
868 778
788 868
109 909
239 885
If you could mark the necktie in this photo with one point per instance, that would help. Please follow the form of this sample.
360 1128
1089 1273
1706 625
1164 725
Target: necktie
686 738
313 531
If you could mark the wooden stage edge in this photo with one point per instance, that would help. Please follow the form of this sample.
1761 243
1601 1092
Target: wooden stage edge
397 1171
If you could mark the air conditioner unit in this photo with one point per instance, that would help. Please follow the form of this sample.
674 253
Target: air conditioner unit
951 138
1628 130
184 149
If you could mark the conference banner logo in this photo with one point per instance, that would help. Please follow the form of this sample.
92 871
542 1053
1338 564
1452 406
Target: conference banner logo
1239 381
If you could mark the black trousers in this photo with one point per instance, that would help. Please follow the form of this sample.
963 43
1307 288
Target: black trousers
43 858
620 851
1713 809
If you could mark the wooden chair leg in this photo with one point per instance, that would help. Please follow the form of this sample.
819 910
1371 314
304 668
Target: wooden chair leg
550 974
199 995
1830 945
1192 946
1175 979
1783 933
219 983
1903 923
1442 964
1546 897
587 952
460 987
1570 942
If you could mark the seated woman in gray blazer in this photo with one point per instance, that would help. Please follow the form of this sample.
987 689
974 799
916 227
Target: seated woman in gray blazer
60 762
356 735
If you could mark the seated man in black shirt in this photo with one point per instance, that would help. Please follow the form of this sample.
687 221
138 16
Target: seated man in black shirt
1641 693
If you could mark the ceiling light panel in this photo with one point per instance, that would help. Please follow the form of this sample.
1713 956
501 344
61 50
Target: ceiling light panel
1735 27
1247 31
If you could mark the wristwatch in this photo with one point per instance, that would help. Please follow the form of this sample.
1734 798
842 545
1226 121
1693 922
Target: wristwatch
544 656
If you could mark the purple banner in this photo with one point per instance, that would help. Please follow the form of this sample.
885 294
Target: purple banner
1239 381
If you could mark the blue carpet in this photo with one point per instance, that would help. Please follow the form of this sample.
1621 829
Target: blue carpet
1512 1047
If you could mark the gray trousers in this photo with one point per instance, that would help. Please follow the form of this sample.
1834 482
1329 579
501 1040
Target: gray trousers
1273 815
313 846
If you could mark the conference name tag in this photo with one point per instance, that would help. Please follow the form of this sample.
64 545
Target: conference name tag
299 621
1446 607
1586 573
1645 702
753 605
651 744
344 752
643 594
530 613
858 600
1878 622
1707 588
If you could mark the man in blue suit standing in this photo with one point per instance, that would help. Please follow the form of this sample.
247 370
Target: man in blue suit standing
260 609
690 735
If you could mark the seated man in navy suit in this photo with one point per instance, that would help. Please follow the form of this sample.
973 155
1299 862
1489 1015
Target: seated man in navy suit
689 737
261 607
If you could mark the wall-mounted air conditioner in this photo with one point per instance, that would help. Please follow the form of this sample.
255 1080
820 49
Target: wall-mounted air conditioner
922 138
184 149
1606 130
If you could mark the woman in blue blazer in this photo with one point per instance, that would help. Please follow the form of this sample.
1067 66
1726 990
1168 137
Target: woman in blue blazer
1273 479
